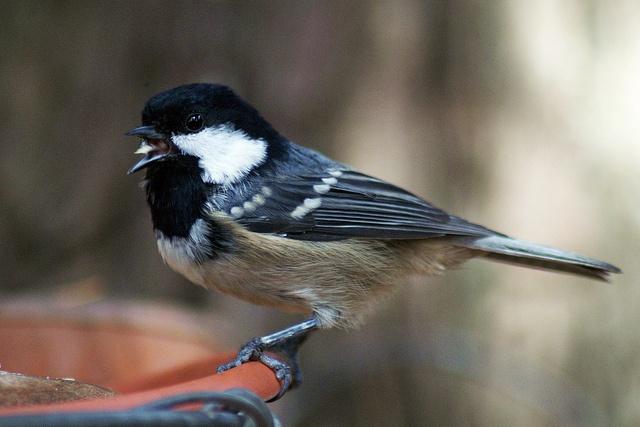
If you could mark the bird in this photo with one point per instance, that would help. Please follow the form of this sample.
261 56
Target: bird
239 208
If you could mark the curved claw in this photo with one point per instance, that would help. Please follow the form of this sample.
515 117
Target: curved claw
283 374
224 368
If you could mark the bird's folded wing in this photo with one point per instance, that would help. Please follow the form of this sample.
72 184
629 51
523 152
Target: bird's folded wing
347 204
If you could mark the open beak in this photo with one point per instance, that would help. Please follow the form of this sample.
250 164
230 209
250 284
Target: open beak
155 146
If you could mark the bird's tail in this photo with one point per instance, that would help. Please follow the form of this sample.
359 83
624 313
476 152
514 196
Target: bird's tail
528 254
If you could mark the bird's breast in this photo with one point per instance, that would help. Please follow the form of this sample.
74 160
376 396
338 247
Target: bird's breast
176 196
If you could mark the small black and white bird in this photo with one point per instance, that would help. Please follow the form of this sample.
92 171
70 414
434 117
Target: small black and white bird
239 208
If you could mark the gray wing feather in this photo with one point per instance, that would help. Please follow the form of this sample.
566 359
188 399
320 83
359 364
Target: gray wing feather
505 249
356 206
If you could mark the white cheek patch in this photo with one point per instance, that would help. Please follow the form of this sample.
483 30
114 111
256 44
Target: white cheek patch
226 154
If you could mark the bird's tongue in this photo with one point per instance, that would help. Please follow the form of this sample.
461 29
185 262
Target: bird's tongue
154 146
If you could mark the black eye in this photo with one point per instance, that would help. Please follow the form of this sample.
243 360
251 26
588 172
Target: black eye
194 122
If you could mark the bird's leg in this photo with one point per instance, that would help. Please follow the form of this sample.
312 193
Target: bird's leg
286 342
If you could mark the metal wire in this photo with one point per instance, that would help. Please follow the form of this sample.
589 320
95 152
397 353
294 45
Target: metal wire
232 408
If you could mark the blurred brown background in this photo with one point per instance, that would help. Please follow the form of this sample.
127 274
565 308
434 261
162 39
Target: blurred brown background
523 116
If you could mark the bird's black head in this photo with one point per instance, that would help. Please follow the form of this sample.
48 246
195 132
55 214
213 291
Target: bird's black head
207 125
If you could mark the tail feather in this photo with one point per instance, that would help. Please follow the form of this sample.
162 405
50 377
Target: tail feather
528 254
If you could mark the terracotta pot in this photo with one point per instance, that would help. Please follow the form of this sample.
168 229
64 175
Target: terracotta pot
140 352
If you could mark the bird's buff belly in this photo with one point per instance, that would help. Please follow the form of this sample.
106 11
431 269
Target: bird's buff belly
338 281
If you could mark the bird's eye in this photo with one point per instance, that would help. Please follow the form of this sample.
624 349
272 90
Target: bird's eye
194 122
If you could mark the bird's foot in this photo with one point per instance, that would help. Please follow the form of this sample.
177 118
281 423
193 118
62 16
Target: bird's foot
284 343
254 350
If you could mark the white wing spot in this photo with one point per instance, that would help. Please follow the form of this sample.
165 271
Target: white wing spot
336 174
307 206
321 188
266 191
237 212
312 203
330 181
299 212
249 206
